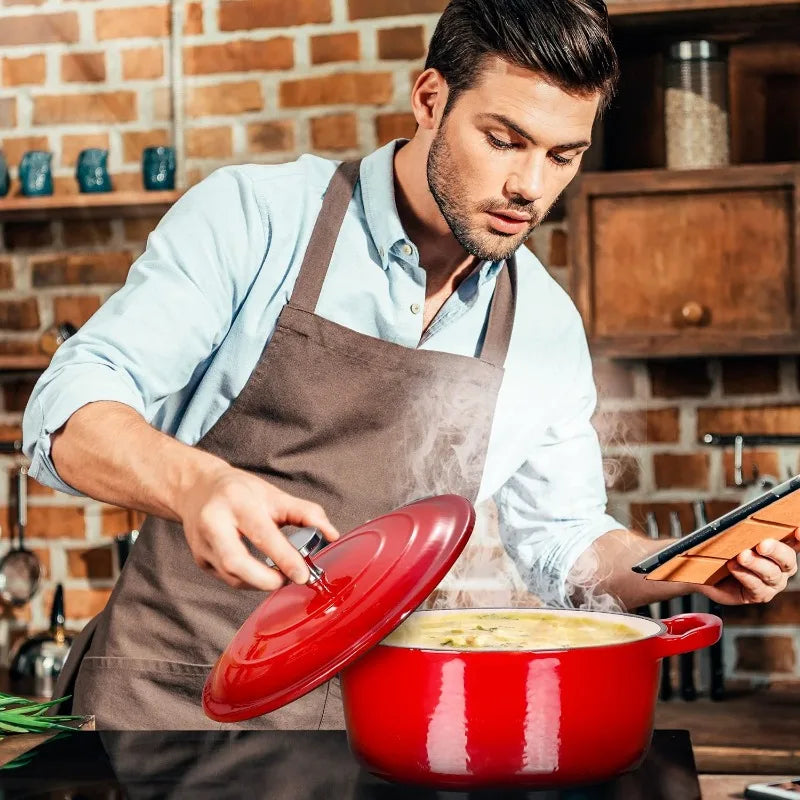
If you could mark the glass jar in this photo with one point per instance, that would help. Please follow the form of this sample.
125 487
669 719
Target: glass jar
696 105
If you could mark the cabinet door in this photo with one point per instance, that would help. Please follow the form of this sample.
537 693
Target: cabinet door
688 268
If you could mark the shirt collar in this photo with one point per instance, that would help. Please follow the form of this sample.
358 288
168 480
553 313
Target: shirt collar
377 193
376 177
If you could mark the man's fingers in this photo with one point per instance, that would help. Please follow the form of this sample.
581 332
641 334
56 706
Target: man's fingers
292 510
764 569
264 534
782 554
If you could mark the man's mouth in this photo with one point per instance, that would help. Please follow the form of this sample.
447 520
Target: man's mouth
509 222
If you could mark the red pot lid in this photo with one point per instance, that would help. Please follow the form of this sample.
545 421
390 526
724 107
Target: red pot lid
302 635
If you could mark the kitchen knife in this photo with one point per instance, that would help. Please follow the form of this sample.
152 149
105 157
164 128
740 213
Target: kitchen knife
686 660
665 688
717 687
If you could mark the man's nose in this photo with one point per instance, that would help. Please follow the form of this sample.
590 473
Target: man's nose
527 181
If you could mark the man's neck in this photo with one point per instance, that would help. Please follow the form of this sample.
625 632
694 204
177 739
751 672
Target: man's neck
441 256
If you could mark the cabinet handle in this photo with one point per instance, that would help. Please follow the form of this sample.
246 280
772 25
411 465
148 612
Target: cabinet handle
693 313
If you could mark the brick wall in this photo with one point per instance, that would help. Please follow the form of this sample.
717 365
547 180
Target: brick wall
266 80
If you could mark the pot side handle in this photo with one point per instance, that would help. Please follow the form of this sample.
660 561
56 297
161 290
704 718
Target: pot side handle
687 632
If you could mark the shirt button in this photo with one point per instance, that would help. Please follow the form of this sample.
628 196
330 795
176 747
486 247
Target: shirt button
408 250
415 308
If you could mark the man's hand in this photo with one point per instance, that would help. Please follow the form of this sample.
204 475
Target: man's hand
757 575
229 503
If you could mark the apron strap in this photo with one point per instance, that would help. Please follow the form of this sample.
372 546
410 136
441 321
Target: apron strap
501 315
337 197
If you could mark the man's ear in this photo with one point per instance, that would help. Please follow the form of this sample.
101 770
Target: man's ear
428 98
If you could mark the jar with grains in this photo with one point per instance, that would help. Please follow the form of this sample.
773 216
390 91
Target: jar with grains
696 105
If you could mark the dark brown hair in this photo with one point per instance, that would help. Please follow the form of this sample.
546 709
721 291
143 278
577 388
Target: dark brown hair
566 41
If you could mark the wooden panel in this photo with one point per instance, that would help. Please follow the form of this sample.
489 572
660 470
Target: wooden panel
742 537
691 569
765 101
726 251
721 244
785 511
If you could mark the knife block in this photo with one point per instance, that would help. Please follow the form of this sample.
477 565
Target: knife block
707 563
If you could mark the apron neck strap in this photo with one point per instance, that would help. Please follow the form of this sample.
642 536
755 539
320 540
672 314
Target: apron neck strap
501 315
337 197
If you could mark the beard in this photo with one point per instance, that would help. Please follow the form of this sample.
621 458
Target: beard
449 191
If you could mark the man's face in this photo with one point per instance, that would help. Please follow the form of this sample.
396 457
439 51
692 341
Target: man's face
503 154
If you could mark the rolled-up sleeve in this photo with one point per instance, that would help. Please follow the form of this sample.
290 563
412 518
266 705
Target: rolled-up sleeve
554 506
149 338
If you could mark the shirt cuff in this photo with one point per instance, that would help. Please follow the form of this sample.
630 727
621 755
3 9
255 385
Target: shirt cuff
57 402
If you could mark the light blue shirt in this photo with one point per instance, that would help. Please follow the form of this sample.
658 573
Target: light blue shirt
179 340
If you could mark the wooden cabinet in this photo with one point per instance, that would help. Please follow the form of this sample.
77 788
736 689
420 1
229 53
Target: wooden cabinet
688 263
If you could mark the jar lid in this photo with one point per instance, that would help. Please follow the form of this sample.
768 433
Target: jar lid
694 49
363 586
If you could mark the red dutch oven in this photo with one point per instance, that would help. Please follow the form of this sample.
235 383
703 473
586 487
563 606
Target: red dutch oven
494 718
445 718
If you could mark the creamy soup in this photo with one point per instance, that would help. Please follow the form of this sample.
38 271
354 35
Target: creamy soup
507 630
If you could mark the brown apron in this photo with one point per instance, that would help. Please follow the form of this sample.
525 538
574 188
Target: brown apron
357 424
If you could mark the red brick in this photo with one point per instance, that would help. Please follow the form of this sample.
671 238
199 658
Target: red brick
103 107
16 393
631 427
82 232
361 88
56 522
8 112
21 346
128 181
115 520
39 29
225 98
685 377
10 433
80 268
134 142
783 609
265 137
24 2
193 19
717 508
334 47
241 56
399 125
558 248
370 9
214 142
6 274
84 603
766 461
754 419
15 148
681 470
613 378
23 235
19 315
401 43
94 564
83 67
25 71
334 132
750 375
75 309
621 473
72 144
237 15
36 489
765 654
143 63
138 229
127 23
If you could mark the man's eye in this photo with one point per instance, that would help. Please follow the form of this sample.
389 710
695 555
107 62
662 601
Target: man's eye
561 161
499 144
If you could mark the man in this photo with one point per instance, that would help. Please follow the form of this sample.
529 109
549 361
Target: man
310 345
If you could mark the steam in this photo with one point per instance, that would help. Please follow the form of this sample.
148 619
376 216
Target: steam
445 453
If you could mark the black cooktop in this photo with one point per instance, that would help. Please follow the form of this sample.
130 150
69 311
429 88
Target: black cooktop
282 765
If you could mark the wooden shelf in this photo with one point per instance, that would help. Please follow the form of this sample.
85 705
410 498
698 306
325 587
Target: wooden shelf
24 363
635 7
106 204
